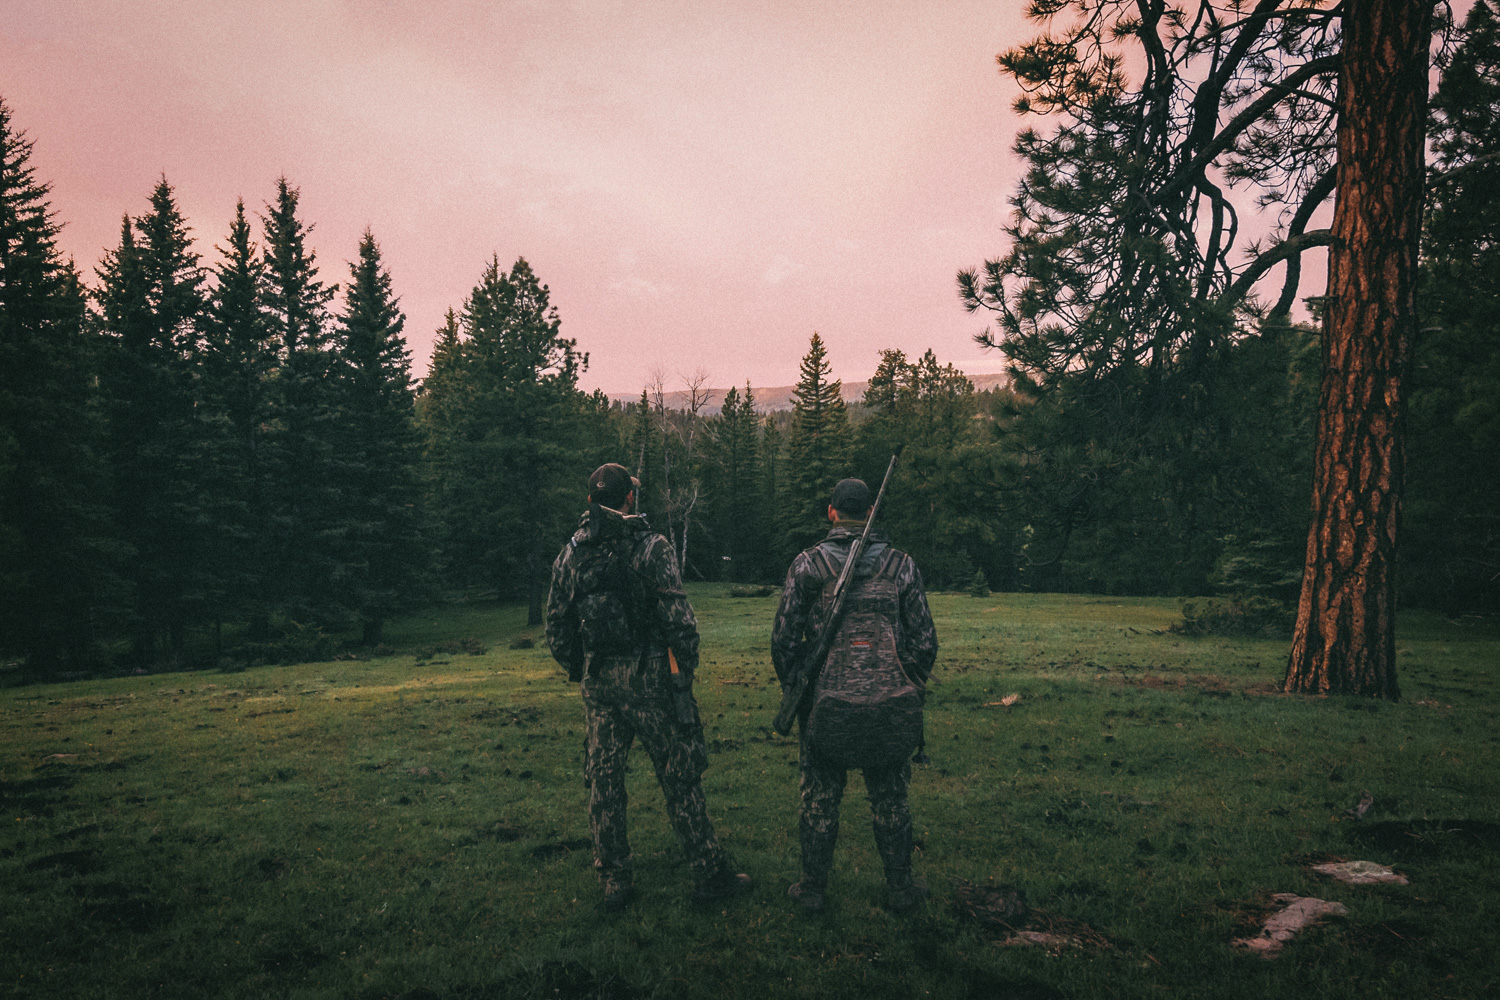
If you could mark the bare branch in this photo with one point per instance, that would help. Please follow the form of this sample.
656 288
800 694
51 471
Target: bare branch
698 396
1288 248
1316 195
1275 93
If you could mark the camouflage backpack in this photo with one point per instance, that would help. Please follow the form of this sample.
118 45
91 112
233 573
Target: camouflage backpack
607 594
865 711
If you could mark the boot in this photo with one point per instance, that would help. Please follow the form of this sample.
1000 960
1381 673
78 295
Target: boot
817 862
904 893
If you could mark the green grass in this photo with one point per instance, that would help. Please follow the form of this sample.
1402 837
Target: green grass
392 829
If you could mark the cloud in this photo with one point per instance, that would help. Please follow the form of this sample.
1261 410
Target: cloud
640 289
781 268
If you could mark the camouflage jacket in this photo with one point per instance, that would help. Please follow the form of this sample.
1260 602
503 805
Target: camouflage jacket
669 622
801 615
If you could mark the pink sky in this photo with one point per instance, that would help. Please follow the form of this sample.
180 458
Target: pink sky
700 184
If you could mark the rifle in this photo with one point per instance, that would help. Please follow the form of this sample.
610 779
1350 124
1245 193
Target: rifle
806 674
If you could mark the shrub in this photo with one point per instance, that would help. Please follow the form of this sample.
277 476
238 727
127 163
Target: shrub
468 645
1261 616
980 585
747 590
293 642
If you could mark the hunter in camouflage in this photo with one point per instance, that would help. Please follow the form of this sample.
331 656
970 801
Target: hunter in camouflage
889 584
620 623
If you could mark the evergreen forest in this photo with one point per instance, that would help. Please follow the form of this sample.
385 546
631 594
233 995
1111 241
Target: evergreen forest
224 457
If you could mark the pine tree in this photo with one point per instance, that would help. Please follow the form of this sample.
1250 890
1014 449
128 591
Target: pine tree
295 299
772 492
512 461
734 465
57 555
1451 551
303 501
818 447
531 373
644 458
440 406
1345 638
464 479
235 363
604 432
445 372
942 501
153 302
381 540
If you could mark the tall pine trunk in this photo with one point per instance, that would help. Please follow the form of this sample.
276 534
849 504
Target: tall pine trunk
1345 637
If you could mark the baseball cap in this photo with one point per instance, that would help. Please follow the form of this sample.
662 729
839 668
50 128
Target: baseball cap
851 496
610 484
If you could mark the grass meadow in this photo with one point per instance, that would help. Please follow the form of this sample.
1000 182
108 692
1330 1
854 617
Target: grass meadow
414 826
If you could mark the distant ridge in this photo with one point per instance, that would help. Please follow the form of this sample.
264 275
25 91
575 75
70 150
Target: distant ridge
780 397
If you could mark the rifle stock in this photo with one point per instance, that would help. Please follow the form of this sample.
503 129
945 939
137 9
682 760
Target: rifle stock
805 674
682 694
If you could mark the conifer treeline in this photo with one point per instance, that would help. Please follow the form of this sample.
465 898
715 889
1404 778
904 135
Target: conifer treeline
188 446
237 450
254 443
230 458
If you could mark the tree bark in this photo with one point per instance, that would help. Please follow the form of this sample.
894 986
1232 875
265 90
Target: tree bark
1345 640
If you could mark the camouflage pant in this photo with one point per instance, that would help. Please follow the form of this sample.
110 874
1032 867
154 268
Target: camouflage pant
822 790
622 700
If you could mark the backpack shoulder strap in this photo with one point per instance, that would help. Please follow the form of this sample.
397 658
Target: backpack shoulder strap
823 562
889 559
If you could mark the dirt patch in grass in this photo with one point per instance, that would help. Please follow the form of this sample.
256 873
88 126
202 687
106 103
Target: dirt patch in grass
1003 909
1295 915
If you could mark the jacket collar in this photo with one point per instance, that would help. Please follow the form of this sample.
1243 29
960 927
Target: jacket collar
606 522
848 530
